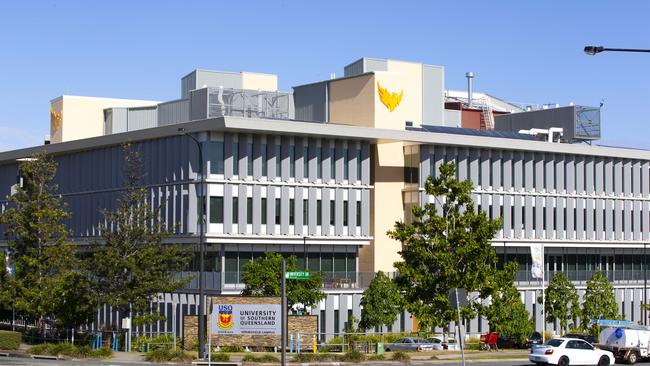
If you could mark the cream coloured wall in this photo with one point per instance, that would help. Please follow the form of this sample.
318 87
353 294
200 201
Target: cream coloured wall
401 76
255 81
351 101
83 117
388 175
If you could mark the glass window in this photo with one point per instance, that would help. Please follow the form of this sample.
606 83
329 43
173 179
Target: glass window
345 213
326 262
305 162
305 212
332 212
313 262
292 161
263 211
332 163
292 211
265 163
346 164
249 210
277 211
249 153
216 157
319 162
358 213
319 213
216 210
339 263
278 160
336 321
244 257
235 210
235 158
359 164
231 267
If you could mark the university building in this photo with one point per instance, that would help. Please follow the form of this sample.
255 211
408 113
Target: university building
324 171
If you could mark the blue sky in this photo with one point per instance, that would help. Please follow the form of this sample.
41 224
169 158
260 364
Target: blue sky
521 51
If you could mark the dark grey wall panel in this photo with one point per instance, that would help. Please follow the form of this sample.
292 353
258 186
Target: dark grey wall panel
173 112
311 102
199 104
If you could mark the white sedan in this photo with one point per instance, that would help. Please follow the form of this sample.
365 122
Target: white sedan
570 351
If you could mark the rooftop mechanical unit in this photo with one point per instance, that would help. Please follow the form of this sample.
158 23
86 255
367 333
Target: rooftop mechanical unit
578 123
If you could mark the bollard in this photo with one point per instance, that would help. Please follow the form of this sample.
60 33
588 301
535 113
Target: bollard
291 343
298 343
313 343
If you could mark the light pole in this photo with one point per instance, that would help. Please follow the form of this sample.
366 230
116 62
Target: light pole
183 132
593 50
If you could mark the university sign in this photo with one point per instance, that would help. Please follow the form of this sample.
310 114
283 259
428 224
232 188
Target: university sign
260 319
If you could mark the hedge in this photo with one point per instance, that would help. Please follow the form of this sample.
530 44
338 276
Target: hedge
9 340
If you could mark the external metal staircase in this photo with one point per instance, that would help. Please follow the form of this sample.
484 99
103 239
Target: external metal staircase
487 117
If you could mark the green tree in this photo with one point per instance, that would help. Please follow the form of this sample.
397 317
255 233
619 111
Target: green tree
6 285
381 302
561 301
131 265
445 250
506 313
262 277
599 301
43 257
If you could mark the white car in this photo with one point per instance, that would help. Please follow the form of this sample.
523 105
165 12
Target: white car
570 351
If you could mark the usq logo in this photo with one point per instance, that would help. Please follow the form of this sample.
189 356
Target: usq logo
390 100
55 120
225 317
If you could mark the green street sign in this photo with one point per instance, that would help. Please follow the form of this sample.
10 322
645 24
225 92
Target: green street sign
297 275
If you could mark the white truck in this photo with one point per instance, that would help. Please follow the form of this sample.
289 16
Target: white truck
628 341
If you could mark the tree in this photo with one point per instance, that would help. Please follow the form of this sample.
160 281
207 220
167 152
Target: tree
506 313
599 301
131 265
262 277
561 301
381 302
47 274
445 250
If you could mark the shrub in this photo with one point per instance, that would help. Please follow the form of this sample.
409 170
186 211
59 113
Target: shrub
402 357
376 358
314 357
9 340
70 350
353 356
473 343
262 359
232 349
165 355
220 357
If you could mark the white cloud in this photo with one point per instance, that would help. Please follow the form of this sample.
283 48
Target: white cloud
12 138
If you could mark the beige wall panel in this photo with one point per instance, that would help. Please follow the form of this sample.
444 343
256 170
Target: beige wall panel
388 176
351 101
83 117
255 81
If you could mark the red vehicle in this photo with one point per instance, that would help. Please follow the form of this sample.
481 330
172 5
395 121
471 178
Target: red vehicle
489 341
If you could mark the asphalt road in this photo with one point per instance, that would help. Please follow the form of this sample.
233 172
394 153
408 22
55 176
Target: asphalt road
29 362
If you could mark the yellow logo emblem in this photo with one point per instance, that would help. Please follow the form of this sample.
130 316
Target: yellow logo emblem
55 120
390 100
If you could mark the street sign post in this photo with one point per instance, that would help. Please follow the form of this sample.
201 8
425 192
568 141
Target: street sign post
297 275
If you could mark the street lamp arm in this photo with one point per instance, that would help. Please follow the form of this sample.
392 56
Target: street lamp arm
592 50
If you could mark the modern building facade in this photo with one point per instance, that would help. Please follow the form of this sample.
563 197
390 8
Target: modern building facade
324 172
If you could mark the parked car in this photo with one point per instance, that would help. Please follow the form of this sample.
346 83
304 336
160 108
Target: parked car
437 343
570 351
534 340
409 344
585 337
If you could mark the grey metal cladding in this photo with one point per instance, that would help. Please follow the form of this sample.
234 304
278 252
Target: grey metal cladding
374 64
119 120
173 112
188 83
354 68
311 102
142 117
433 99
199 104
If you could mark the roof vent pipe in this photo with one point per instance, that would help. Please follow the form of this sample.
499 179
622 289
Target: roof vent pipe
552 131
469 75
